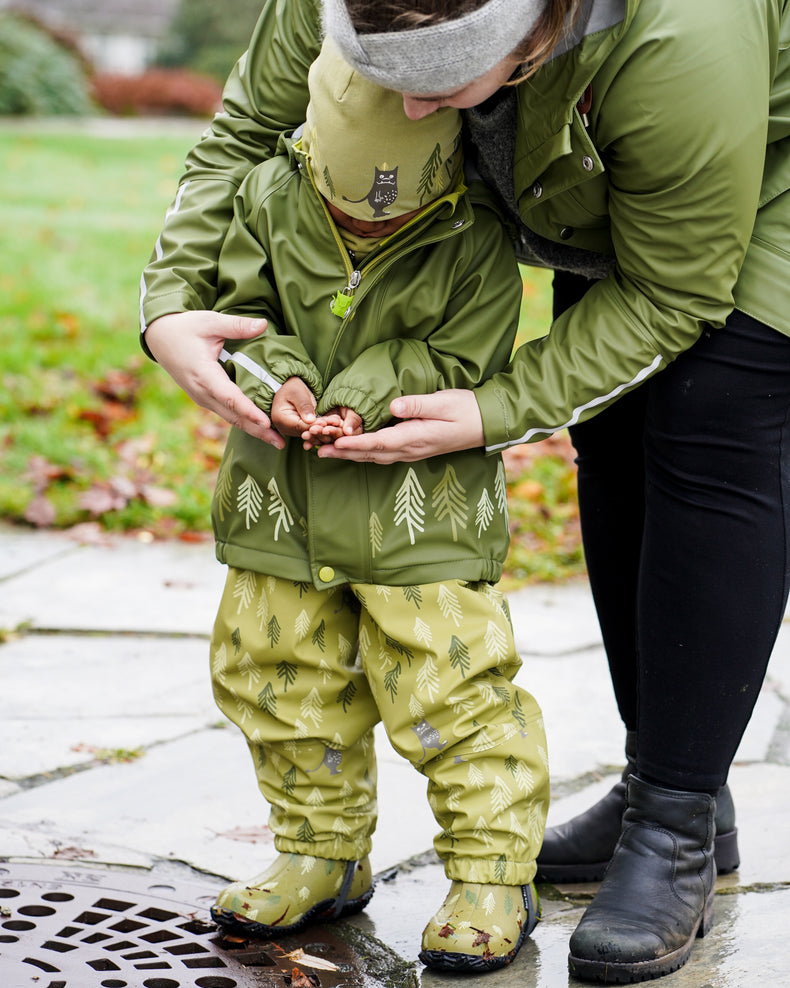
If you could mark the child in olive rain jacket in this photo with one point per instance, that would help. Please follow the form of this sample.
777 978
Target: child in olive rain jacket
358 593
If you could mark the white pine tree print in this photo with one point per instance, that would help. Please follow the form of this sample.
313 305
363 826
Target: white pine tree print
248 668
460 704
482 831
488 693
219 664
278 509
385 592
315 797
484 513
500 488
422 631
312 707
364 641
244 589
301 625
428 678
524 777
325 671
476 777
409 501
262 610
452 797
223 491
343 648
489 904
501 796
245 710
416 709
339 826
449 501
482 741
376 532
517 830
249 499
301 731
449 605
495 641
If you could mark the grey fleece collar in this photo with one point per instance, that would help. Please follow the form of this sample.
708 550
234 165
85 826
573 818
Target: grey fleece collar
439 57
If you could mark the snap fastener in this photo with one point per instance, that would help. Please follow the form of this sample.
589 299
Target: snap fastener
537 190
457 224
326 574
587 163
566 233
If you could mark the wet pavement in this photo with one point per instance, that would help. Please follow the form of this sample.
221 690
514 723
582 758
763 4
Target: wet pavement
118 775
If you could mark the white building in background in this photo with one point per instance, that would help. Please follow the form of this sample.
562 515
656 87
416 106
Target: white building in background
115 35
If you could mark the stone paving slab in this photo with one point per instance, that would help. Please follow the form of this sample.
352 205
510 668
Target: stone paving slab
186 800
64 696
164 588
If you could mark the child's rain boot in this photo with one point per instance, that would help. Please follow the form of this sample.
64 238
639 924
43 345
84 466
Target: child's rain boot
480 927
294 891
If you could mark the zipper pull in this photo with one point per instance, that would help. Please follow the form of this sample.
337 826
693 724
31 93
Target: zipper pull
342 300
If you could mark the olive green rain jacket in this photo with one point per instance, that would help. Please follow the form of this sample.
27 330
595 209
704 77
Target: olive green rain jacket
434 306
679 170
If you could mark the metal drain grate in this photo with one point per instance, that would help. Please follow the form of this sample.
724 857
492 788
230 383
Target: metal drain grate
86 927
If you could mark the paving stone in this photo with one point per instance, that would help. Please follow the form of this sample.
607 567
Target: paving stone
168 588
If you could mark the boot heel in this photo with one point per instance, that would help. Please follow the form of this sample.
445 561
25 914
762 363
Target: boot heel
725 851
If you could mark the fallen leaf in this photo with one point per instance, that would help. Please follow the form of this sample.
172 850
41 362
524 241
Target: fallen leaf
40 512
249 835
308 960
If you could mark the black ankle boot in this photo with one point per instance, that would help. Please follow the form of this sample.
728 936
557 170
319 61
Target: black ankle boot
657 894
579 850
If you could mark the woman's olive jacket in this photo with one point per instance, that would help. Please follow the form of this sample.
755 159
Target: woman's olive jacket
658 135
434 306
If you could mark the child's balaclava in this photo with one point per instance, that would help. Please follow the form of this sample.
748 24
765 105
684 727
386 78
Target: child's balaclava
366 156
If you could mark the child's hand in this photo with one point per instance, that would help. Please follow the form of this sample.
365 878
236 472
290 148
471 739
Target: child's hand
327 428
293 408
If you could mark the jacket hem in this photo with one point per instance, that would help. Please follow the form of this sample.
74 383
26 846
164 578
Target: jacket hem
298 570
755 292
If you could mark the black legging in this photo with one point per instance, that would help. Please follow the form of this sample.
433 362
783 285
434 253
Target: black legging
684 491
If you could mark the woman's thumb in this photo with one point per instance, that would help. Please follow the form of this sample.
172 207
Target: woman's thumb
243 327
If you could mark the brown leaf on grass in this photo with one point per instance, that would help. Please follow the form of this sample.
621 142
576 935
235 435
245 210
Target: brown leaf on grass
42 472
118 386
106 417
158 497
40 512
100 499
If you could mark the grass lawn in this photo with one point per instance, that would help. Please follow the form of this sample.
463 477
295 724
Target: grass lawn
90 430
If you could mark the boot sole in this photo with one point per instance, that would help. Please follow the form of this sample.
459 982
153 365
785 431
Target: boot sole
322 912
623 973
725 852
446 960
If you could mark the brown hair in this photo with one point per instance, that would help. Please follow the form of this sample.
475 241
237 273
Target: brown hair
383 16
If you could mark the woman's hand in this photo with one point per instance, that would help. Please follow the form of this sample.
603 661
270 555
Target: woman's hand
188 345
443 422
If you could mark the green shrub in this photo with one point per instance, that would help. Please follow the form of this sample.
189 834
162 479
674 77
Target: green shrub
38 74
208 37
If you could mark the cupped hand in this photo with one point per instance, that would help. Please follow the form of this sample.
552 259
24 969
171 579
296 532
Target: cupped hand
188 345
443 422
293 407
